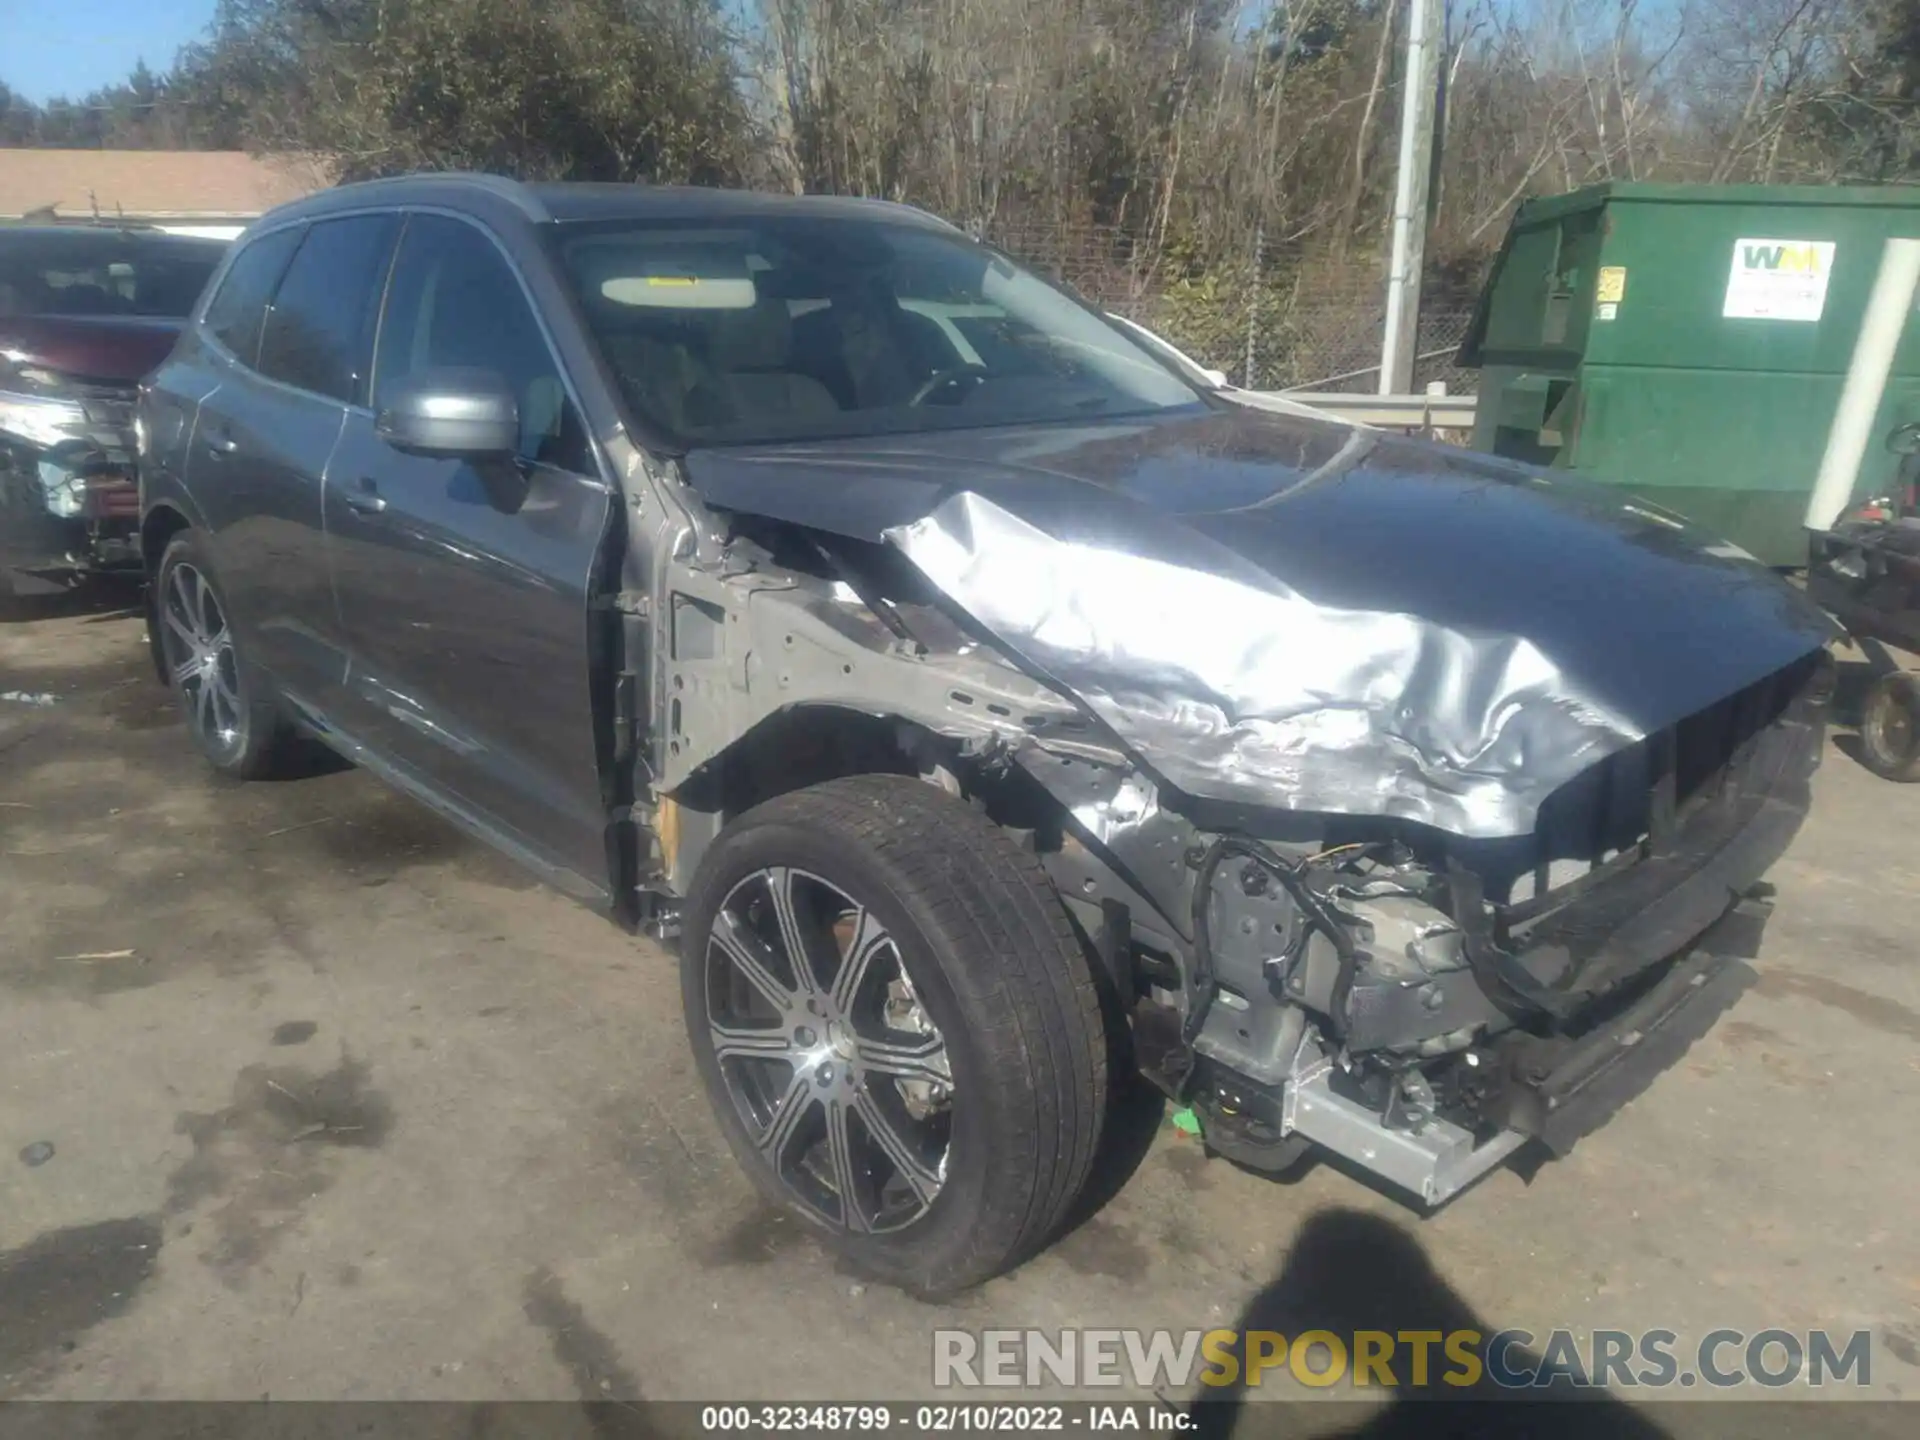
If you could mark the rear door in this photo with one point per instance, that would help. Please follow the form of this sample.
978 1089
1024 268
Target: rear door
204 381
266 437
174 465
468 625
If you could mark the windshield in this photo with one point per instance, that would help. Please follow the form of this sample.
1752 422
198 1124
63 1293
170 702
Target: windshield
803 326
82 272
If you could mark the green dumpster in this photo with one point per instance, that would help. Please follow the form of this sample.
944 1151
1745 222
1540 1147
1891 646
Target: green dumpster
1690 342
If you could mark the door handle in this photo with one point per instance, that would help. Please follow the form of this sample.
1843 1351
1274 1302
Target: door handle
221 442
366 499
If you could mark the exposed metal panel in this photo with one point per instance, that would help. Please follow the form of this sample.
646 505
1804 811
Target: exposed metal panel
1435 1162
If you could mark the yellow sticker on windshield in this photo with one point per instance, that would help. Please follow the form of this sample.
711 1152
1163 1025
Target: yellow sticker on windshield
673 280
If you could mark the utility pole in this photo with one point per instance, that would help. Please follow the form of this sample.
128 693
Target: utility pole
1410 195
1888 306
1251 380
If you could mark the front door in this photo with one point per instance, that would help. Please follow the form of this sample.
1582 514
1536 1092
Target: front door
467 624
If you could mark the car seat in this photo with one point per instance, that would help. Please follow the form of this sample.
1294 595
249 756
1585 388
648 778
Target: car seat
750 353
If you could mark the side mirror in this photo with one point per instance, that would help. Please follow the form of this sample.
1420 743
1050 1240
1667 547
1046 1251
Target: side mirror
458 414
1904 440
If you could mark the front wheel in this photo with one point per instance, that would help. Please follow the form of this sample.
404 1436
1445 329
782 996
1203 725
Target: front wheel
1890 727
896 1026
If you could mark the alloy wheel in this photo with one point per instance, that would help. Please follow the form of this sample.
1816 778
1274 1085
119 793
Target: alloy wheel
837 1071
1895 724
198 644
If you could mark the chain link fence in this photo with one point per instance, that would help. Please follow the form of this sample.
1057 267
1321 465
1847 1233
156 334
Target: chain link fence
1274 321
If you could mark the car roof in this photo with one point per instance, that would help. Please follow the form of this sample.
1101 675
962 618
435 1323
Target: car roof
580 201
649 202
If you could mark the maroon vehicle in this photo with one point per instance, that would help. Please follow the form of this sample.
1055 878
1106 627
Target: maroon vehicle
84 314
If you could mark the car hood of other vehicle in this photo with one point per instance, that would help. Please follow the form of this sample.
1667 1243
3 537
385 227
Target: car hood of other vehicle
109 349
1285 611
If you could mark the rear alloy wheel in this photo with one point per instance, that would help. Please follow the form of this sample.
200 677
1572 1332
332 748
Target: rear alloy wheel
897 1028
200 661
239 731
1890 727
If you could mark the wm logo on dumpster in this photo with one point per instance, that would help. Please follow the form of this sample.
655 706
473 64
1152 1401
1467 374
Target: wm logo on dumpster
1779 279
1784 259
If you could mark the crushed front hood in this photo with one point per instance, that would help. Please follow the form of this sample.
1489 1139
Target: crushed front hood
1282 611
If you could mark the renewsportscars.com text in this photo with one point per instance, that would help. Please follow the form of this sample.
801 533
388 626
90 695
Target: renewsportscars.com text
1404 1359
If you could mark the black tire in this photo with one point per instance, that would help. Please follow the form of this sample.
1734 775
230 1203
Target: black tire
988 957
1890 727
231 715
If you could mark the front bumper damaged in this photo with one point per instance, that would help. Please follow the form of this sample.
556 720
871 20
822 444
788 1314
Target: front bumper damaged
1622 978
1553 1101
1559 1098
68 509
1548 1090
1395 800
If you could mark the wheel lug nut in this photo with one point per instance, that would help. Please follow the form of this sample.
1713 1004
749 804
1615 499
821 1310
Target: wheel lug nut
804 1038
826 1075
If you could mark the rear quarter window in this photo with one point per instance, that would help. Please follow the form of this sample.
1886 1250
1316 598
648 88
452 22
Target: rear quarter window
235 314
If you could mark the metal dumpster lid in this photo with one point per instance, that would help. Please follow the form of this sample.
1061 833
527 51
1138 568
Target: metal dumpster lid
1551 207
1548 208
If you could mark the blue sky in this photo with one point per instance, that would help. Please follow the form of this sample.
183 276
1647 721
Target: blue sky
68 47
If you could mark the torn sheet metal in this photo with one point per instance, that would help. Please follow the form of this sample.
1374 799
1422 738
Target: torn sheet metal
1273 610
1234 687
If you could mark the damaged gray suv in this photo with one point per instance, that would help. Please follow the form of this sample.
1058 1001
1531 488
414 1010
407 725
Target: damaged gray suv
989 709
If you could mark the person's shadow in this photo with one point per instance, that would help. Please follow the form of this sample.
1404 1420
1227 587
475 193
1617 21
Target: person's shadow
1351 1272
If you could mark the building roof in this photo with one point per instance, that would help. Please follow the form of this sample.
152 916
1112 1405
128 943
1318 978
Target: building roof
148 184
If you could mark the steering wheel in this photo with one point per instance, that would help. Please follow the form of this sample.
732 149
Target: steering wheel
948 375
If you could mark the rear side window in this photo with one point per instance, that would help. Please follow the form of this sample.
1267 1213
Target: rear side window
454 302
319 330
237 308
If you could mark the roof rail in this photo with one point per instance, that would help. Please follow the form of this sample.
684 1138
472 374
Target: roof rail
42 220
512 191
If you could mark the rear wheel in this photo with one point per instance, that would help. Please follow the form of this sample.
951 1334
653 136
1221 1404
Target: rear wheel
1890 727
229 714
896 1026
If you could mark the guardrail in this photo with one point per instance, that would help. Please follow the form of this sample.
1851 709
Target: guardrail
1408 412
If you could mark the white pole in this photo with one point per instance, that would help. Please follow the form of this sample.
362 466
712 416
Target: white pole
1880 331
1402 338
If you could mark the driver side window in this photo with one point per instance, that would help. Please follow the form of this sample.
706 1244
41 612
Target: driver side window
454 301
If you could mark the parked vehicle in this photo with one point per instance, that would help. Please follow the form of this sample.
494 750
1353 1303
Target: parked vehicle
972 710
1865 572
84 313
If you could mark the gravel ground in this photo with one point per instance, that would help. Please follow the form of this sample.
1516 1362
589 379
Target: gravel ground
339 1105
